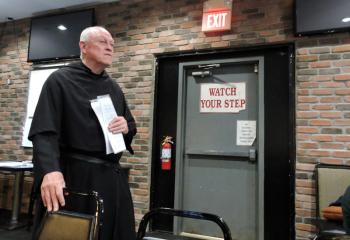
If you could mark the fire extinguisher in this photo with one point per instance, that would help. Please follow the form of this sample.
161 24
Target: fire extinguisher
165 157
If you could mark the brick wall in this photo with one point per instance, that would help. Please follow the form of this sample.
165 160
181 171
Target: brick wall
13 100
143 28
323 115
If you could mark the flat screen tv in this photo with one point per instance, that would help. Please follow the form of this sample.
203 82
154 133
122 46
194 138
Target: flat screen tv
321 16
57 36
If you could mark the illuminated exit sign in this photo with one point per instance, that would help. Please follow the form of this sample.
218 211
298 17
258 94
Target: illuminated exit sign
217 15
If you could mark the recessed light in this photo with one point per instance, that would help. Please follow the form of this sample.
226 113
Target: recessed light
61 27
346 19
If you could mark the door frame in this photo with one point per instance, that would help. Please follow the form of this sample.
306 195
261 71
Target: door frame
178 196
280 147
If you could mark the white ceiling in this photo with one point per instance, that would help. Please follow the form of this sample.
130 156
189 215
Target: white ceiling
18 9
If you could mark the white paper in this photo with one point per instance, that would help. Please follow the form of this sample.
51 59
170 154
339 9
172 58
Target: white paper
246 133
98 111
37 79
335 231
16 164
26 128
36 82
105 112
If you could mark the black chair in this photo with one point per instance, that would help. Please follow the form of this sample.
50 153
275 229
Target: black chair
331 182
141 234
72 225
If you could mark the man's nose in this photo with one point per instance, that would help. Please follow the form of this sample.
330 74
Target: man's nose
109 48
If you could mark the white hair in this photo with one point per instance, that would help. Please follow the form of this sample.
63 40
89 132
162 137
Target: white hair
87 32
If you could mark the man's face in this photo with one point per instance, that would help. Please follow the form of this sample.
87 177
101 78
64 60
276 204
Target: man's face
99 48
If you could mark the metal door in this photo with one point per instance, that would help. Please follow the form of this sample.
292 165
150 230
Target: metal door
220 146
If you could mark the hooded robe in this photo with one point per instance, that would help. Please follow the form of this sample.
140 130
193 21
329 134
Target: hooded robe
65 123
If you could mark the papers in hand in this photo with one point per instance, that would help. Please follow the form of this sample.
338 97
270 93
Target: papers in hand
105 112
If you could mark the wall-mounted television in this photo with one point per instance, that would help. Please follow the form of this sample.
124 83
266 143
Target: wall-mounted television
321 16
57 36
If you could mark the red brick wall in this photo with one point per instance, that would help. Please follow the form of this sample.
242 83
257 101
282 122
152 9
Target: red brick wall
158 26
143 28
323 115
13 100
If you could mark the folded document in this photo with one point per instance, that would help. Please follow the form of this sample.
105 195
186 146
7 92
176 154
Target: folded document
105 112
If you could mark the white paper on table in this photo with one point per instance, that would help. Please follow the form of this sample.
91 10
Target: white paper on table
105 112
16 164
97 109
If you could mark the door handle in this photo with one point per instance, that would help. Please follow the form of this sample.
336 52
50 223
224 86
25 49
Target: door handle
252 155
202 74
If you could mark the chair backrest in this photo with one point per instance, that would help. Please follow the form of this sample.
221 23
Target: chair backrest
71 225
331 182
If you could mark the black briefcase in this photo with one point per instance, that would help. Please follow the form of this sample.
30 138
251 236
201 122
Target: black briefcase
70 225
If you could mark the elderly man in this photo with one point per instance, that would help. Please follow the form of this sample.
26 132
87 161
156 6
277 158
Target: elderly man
69 148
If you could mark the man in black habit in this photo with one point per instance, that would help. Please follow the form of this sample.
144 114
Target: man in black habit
68 143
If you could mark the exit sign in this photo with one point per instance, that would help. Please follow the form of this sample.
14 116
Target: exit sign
217 15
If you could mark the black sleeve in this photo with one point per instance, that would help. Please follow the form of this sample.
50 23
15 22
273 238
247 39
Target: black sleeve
46 129
46 155
131 125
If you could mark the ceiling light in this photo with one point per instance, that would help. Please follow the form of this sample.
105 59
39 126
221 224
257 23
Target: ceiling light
346 19
61 27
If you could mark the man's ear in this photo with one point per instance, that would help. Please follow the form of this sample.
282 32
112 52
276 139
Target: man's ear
82 46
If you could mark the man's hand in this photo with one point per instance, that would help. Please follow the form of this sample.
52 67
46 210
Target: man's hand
118 125
52 190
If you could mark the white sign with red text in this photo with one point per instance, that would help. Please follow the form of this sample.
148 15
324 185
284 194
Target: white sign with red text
225 98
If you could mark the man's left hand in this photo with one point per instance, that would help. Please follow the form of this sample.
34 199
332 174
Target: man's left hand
118 125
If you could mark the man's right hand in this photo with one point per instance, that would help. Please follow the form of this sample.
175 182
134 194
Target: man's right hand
52 190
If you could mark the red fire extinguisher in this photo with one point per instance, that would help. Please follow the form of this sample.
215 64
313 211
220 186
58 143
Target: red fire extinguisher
165 157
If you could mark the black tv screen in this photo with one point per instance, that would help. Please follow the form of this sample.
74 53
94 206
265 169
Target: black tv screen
57 36
321 16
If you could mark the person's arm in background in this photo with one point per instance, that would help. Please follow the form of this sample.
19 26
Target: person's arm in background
346 210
